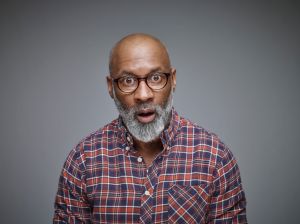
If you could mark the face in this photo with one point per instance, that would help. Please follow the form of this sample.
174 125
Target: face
144 111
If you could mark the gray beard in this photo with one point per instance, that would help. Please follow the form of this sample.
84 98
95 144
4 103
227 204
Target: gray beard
149 131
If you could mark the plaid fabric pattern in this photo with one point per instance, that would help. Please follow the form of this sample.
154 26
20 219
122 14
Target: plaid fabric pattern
195 179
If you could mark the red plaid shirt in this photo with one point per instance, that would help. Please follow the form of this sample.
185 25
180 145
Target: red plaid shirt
195 179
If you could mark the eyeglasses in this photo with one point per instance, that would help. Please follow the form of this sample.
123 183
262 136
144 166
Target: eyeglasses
155 81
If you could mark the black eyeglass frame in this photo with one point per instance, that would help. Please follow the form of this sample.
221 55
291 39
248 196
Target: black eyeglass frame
145 80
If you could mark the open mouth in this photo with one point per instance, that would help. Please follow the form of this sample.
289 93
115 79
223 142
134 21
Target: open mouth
146 115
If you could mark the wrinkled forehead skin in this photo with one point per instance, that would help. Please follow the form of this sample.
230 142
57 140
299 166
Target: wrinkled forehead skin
138 52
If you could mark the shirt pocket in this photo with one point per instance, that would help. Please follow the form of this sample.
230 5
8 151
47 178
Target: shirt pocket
188 204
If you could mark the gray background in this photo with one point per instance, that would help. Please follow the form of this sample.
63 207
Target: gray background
238 76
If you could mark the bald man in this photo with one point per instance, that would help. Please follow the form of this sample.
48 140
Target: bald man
150 165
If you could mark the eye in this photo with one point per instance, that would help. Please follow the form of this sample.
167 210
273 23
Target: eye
127 81
156 78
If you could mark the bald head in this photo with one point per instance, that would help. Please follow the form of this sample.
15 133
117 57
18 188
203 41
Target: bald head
137 47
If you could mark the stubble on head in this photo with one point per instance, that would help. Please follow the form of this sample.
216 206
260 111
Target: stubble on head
133 41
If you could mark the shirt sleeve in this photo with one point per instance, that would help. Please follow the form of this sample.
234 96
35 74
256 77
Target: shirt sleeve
228 202
71 202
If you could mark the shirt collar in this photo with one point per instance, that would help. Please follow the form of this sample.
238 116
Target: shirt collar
171 131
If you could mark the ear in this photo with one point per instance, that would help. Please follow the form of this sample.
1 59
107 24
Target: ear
173 75
110 86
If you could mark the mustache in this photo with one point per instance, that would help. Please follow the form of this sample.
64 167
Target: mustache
145 106
141 106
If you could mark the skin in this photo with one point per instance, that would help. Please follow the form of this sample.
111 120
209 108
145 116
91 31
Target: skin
141 54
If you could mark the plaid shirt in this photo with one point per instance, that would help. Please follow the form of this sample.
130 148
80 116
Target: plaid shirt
195 179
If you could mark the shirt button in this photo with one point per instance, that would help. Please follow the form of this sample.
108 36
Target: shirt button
147 193
127 148
139 159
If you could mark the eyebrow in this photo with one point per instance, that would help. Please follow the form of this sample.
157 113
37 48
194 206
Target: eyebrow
131 73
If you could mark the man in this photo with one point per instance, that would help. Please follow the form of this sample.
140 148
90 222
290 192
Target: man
150 165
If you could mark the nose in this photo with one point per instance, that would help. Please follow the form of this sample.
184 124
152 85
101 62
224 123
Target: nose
143 92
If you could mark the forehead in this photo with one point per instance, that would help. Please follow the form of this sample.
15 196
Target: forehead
139 57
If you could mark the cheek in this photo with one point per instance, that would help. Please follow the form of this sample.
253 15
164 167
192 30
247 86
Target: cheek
126 101
162 97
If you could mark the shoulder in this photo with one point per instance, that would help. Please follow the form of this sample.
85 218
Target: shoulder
108 133
102 138
201 140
